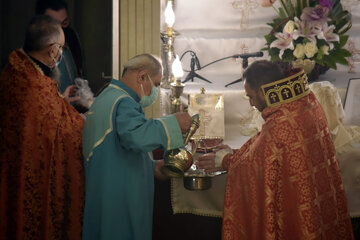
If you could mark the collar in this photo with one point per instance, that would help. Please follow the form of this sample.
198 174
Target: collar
44 68
127 89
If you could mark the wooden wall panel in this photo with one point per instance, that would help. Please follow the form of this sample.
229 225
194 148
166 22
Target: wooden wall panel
140 33
139 28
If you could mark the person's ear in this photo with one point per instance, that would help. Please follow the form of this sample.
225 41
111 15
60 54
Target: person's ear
142 76
260 93
51 51
139 78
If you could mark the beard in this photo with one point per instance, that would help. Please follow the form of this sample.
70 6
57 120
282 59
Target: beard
56 74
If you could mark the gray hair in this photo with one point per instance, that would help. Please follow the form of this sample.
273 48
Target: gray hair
41 32
143 62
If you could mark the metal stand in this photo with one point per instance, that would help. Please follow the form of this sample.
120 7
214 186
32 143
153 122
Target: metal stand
192 72
244 65
195 60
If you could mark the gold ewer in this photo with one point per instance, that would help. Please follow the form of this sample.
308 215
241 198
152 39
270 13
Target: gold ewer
178 160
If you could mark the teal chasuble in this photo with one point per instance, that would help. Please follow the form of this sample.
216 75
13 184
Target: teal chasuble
118 169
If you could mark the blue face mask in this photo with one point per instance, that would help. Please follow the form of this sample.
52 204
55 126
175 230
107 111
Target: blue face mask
148 100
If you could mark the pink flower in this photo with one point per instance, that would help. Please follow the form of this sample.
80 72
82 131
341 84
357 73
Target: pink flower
305 30
327 33
317 14
284 41
267 3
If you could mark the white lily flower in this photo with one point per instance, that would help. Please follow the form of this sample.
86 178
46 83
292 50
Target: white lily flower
284 41
327 33
305 29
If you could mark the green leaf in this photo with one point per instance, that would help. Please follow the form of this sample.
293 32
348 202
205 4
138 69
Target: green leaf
343 40
347 28
269 38
340 18
336 8
329 62
343 53
298 8
320 61
342 61
343 24
319 56
288 56
282 13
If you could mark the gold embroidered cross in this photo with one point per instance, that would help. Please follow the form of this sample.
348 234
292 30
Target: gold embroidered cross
286 93
273 96
298 88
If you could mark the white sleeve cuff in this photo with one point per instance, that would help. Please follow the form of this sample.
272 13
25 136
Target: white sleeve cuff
220 155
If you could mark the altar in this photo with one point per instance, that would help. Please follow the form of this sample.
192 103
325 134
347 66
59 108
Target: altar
238 27
242 121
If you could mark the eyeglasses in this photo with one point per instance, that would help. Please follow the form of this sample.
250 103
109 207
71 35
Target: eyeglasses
60 46
156 84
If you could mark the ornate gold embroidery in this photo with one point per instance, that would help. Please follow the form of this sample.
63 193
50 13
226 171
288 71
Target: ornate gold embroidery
286 90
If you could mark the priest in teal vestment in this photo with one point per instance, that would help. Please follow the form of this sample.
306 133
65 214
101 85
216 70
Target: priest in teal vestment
117 145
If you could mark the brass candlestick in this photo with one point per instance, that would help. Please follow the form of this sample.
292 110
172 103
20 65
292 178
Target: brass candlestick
177 89
168 38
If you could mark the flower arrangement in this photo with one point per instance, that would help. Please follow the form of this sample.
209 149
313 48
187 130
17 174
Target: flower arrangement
308 32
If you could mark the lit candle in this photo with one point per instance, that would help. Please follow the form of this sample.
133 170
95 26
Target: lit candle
169 18
177 70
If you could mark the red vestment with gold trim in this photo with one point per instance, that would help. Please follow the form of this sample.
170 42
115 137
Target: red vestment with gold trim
285 182
42 179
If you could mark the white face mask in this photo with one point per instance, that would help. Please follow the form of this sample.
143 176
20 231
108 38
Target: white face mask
58 62
149 100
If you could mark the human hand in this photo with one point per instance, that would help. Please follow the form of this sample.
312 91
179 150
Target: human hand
69 94
212 162
207 162
157 172
219 147
184 120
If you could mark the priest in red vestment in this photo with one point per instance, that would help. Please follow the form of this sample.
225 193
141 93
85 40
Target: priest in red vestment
41 172
285 182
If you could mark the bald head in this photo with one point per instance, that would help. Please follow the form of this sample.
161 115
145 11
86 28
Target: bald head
44 40
41 32
143 62
141 73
